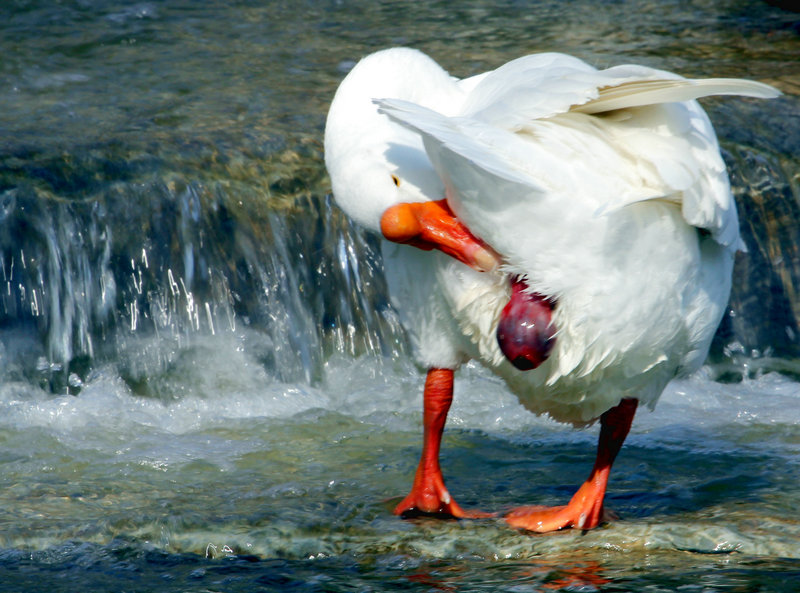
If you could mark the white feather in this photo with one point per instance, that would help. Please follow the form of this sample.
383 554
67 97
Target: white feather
639 93
591 184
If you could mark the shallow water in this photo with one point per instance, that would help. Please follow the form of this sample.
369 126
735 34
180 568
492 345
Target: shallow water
203 386
246 480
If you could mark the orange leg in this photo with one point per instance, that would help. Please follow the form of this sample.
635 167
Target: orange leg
428 494
585 510
432 225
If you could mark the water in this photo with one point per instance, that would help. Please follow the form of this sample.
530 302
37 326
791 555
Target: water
204 387
246 480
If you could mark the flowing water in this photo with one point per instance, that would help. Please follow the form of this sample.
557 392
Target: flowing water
203 386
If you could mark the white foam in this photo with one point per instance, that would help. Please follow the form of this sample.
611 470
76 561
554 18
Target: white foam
698 401
216 385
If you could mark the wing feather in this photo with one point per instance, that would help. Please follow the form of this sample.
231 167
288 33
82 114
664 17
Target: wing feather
485 147
544 85
639 93
519 138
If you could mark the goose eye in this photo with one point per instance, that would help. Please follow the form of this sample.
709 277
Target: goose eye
396 180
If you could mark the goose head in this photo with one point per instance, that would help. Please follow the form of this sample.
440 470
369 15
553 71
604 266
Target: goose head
373 162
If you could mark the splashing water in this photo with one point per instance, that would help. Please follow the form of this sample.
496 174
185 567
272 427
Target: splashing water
204 387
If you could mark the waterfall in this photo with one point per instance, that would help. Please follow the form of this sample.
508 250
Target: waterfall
102 248
179 259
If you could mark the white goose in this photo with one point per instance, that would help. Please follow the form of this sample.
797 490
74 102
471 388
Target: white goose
602 191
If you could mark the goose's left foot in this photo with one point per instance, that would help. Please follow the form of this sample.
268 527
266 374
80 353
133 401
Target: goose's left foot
585 509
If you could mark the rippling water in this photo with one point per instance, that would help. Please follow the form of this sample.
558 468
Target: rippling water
245 480
204 387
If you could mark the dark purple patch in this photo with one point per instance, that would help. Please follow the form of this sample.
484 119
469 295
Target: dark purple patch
525 332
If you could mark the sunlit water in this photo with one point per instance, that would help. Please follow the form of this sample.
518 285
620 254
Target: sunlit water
243 466
204 388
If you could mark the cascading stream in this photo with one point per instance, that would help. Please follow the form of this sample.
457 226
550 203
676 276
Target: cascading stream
244 413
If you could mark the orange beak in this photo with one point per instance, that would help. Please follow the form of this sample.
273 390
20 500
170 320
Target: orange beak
432 225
